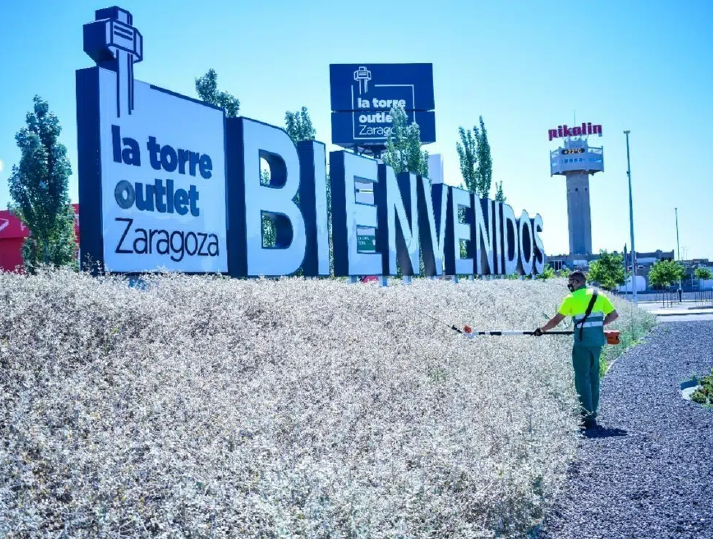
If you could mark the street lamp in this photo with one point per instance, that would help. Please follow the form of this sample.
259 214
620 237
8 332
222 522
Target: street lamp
631 222
678 249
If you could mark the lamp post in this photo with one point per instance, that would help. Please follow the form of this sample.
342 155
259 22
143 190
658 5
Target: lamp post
678 249
631 222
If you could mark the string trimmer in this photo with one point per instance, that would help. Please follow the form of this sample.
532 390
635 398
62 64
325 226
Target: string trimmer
611 335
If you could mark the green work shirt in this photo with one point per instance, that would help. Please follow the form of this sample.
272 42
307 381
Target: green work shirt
575 305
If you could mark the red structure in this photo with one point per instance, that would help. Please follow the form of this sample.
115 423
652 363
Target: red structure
13 234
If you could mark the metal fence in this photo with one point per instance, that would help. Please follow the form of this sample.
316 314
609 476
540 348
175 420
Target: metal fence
670 297
703 298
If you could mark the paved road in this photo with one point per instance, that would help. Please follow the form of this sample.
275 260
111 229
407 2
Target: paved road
654 477
707 317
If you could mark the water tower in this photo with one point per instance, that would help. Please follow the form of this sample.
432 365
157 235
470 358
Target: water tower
576 160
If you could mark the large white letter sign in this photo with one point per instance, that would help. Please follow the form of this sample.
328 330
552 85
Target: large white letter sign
167 182
511 240
346 171
527 251
461 205
498 239
539 246
484 236
313 203
398 221
253 141
432 214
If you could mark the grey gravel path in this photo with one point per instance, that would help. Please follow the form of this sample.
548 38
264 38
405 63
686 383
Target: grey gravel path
656 480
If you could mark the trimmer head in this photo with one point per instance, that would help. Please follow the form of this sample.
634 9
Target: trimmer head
612 336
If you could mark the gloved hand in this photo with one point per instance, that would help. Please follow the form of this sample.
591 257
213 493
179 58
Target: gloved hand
538 332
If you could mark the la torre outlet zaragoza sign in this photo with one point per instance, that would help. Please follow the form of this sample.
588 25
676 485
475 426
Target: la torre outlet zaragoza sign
167 182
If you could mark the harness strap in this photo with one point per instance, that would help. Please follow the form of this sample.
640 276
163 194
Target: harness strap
586 315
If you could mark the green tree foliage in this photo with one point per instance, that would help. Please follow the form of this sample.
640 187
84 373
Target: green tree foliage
403 149
485 162
467 150
476 164
665 273
207 90
499 195
299 125
704 274
608 271
547 272
39 191
269 233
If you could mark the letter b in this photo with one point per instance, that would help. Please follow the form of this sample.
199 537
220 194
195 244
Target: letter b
247 142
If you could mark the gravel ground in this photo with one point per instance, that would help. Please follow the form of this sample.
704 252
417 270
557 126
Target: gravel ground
654 477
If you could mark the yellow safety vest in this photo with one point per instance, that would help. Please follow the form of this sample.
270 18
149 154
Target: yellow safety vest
575 305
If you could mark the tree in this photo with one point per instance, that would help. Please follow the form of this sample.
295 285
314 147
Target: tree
665 273
485 162
547 272
403 148
608 271
467 150
299 125
703 274
476 164
39 191
499 195
207 90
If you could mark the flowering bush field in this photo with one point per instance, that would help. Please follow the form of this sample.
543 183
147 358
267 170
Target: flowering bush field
209 407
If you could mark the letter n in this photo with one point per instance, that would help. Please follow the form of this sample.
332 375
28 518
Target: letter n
397 234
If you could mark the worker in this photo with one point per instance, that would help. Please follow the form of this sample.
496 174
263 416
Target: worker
590 311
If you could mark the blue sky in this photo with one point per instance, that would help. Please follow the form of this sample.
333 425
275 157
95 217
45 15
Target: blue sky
524 66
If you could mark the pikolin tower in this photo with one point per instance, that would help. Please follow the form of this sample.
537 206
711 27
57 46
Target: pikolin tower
576 160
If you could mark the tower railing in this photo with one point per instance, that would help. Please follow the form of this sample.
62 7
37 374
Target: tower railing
591 160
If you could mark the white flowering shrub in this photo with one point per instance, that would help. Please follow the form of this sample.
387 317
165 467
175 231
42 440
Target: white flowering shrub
210 407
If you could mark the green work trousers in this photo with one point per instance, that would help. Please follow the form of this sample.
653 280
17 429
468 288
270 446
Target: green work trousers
585 360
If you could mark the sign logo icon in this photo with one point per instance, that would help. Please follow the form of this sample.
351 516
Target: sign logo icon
113 43
362 76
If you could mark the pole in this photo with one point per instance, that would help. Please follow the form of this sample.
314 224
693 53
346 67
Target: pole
678 249
678 244
631 221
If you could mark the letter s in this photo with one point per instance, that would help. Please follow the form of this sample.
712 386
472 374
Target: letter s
539 246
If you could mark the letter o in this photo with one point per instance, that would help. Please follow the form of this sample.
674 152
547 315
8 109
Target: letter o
527 243
362 118
169 159
124 194
195 241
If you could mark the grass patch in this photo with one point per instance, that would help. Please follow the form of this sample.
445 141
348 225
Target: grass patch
704 395
633 326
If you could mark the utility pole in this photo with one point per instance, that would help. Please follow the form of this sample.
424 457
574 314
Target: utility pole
631 222
678 249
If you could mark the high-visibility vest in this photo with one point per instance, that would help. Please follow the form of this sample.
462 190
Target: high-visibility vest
591 332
